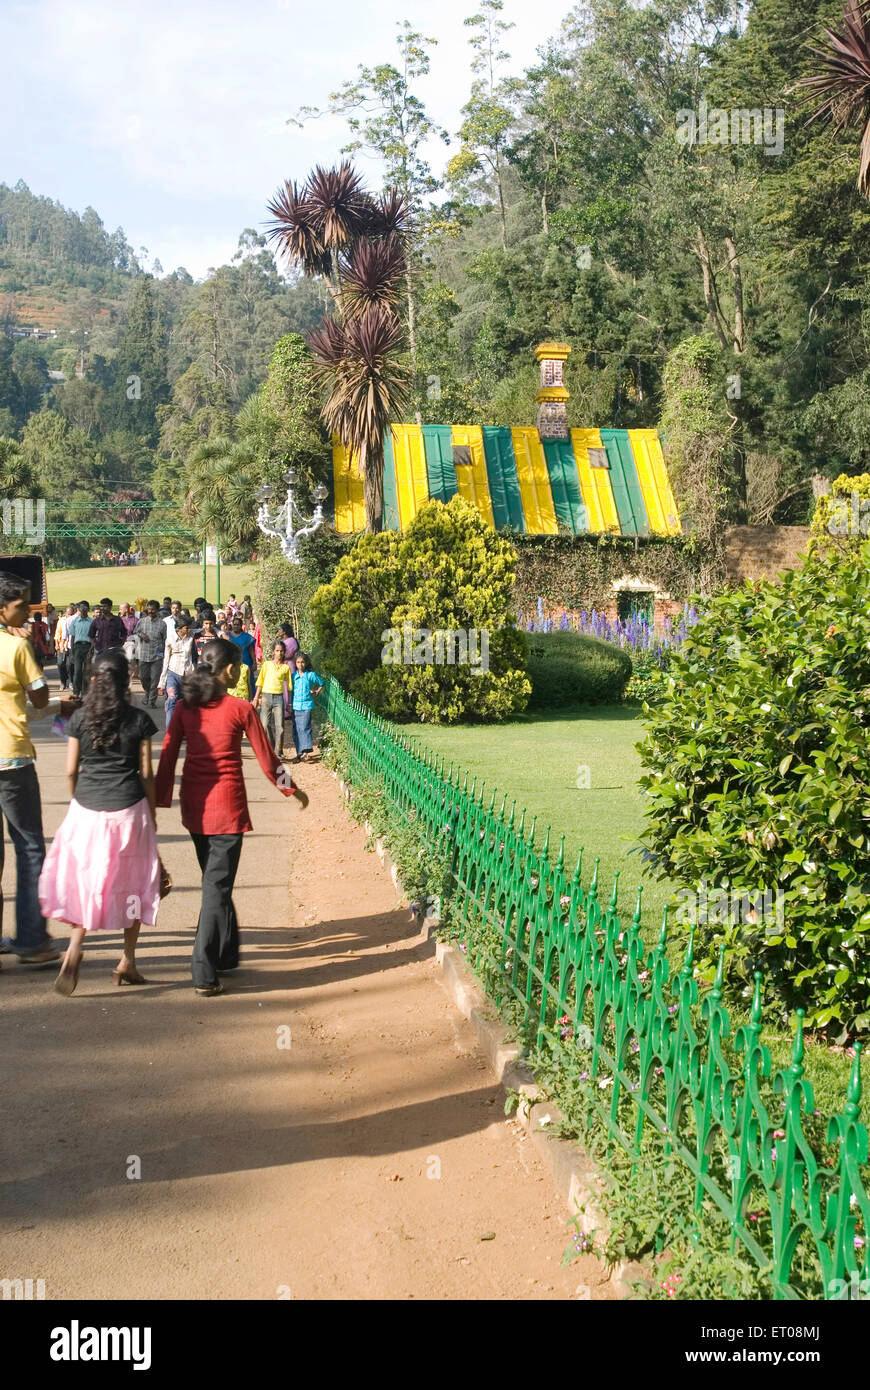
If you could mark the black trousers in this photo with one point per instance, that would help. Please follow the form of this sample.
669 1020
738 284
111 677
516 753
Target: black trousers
21 806
217 932
149 675
81 653
63 668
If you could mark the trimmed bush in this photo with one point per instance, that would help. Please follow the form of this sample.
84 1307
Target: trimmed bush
449 573
569 668
758 767
282 591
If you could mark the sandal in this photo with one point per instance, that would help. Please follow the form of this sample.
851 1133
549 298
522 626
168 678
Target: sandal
127 977
68 979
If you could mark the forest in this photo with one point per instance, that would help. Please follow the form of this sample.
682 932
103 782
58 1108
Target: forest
652 191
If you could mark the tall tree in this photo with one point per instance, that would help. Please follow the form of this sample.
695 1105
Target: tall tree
68 472
333 227
282 422
221 486
489 111
140 386
388 119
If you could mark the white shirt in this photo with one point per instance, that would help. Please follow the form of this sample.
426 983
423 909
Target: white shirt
176 657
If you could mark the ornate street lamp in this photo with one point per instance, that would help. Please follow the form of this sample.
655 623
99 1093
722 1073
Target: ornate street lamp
280 523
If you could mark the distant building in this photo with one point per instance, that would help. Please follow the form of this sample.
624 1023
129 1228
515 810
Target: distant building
29 330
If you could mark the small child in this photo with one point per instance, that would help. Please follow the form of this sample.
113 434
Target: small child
273 680
103 871
306 684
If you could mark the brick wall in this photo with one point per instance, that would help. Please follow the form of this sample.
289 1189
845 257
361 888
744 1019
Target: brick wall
763 552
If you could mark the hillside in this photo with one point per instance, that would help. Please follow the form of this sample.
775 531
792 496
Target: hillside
111 374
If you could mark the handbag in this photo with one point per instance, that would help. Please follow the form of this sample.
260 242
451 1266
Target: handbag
165 879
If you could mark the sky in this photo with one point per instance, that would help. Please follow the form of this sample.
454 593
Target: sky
169 118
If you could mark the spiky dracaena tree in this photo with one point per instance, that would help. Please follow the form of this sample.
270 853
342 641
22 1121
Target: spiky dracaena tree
368 384
840 90
333 228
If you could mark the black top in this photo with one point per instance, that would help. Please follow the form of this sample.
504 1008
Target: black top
108 778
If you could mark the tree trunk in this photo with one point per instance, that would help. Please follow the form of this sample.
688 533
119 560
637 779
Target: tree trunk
501 208
373 488
738 343
711 296
412 338
737 278
545 216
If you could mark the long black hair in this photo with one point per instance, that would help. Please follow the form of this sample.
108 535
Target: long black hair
106 700
201 685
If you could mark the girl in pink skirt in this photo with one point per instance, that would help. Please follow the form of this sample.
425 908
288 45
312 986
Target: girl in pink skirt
103 872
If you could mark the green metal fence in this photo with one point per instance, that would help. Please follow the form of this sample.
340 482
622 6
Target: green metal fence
791 1184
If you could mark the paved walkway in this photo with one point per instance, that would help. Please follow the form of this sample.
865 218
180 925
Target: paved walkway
370 1159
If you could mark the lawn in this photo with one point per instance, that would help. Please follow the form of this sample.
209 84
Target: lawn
577 771
126 584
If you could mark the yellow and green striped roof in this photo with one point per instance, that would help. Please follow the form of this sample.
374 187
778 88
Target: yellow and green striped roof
514 478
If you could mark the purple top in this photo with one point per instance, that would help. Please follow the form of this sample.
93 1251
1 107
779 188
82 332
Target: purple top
107 632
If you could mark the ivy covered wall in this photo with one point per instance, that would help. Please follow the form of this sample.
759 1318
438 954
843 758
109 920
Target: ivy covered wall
576 572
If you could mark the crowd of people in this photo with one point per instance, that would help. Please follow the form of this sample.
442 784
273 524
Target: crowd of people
120 557
223 679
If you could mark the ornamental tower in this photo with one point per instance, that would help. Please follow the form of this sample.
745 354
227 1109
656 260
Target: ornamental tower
552 397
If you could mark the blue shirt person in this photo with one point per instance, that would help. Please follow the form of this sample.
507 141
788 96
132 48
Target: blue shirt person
306 684
245 641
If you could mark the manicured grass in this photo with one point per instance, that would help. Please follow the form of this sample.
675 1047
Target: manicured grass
575 770
538 760
125 584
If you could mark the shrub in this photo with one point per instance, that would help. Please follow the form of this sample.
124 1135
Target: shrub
569 668
449 572
842 516
758 765
351 612
649 677
282 593
320 553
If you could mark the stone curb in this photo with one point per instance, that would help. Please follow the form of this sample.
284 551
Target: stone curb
577 1179
380 848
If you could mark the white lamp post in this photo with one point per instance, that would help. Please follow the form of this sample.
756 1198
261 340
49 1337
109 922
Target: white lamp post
280 522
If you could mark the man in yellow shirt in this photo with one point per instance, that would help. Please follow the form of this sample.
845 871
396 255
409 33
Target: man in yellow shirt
21 680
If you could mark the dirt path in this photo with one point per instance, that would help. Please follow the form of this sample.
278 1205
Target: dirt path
366 1160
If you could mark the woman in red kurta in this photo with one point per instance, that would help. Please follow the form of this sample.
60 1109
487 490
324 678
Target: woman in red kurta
214 807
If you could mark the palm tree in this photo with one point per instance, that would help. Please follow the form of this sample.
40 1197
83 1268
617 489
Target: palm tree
332 227
13 469
220 492
841 87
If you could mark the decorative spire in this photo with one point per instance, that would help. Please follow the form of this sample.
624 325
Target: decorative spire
552 397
